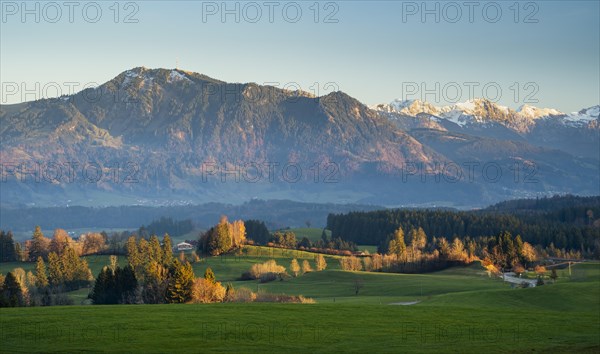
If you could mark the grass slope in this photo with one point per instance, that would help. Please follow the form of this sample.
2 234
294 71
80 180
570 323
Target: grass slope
461 310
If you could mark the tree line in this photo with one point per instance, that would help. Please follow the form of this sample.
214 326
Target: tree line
166 225
372 228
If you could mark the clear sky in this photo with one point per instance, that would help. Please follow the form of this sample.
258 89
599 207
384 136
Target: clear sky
376 51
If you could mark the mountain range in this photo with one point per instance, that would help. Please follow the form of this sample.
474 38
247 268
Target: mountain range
575 133
169 136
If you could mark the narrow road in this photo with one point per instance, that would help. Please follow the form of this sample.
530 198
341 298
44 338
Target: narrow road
512 278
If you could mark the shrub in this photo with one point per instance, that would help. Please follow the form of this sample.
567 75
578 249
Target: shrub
270 266
243 295
205 291
246 276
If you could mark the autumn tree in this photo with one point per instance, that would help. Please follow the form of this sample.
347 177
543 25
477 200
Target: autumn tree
222 237
457 250
55 273
113 262
93 243
68 270
40 273
268 270
38 246
229 293
306 268
295 267
205 291
181 279
209 275
167 249
155 252
60 241
284 239
238 233
528 253
217 240
444 248
135 258
418 241
396 245
155 281
21 277
320 262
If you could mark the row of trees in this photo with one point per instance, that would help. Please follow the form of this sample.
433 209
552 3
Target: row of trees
413 253
536 228
270 270
41 246
166 226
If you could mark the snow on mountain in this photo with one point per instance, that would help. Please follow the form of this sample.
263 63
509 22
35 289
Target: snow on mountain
583 117
175 75
139 77
408 107
481 111
535 112
414 107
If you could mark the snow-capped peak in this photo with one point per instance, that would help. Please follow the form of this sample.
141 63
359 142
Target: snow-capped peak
527 111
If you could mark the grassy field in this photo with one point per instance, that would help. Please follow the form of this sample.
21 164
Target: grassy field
460 310
558 318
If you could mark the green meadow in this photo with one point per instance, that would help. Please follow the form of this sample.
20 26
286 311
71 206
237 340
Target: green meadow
459 310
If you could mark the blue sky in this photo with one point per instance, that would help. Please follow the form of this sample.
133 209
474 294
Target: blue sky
548 51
